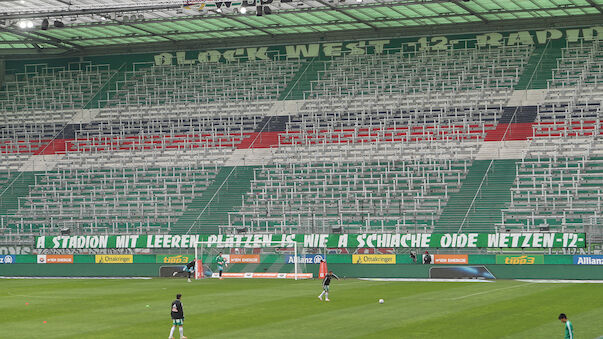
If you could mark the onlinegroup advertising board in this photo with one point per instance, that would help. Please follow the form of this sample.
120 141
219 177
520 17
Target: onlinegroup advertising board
55 259
451 259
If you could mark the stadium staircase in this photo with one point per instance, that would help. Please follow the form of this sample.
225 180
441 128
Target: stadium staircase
493 195
209 210
540 66
302 81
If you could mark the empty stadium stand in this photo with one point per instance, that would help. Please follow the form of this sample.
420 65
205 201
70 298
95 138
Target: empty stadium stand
415 141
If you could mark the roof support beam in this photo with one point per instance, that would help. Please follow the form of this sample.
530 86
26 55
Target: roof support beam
166 35
56 40
145 30
34 39
87 11
323 9
595 5
236 30
335 36
472 12
234 18
347 14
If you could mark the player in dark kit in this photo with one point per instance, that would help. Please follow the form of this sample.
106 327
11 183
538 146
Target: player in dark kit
325 285
189 269
177 317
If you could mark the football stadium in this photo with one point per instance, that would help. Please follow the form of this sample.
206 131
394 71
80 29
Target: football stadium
301 169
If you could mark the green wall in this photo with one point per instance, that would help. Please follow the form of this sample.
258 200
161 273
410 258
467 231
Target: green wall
553 271
582 272
554 267
81 270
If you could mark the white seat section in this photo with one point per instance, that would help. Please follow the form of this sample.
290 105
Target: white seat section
381 187
378 142
558 184
328 122
578 77
569 120
113 200
394 74
149 85
44 94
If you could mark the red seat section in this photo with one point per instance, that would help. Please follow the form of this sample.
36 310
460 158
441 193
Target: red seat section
507 132
56 146
261 140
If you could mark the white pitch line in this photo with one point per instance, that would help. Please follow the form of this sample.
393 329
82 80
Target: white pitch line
427 280
81 278
34 296
489 291
543 281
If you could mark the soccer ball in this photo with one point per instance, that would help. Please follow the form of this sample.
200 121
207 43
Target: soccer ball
381 301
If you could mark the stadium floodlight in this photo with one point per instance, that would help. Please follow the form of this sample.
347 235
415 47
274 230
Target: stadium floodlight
23 24
243 10
206 250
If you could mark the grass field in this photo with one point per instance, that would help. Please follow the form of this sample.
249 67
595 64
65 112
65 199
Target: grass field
290 309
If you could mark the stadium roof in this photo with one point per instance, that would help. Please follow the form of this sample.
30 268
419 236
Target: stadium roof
109 26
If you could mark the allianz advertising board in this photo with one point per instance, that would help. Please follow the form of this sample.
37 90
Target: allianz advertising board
305 259
7 259
588 259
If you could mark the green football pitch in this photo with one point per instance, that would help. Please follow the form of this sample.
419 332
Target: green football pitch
239 308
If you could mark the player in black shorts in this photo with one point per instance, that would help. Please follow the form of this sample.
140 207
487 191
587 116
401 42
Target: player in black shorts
189 269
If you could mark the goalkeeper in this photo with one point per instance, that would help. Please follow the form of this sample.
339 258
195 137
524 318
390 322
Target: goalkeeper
189 269
221 261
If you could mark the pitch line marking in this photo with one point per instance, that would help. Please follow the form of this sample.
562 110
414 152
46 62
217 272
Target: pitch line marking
34 296
552 281
428 280
490 291
79 278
